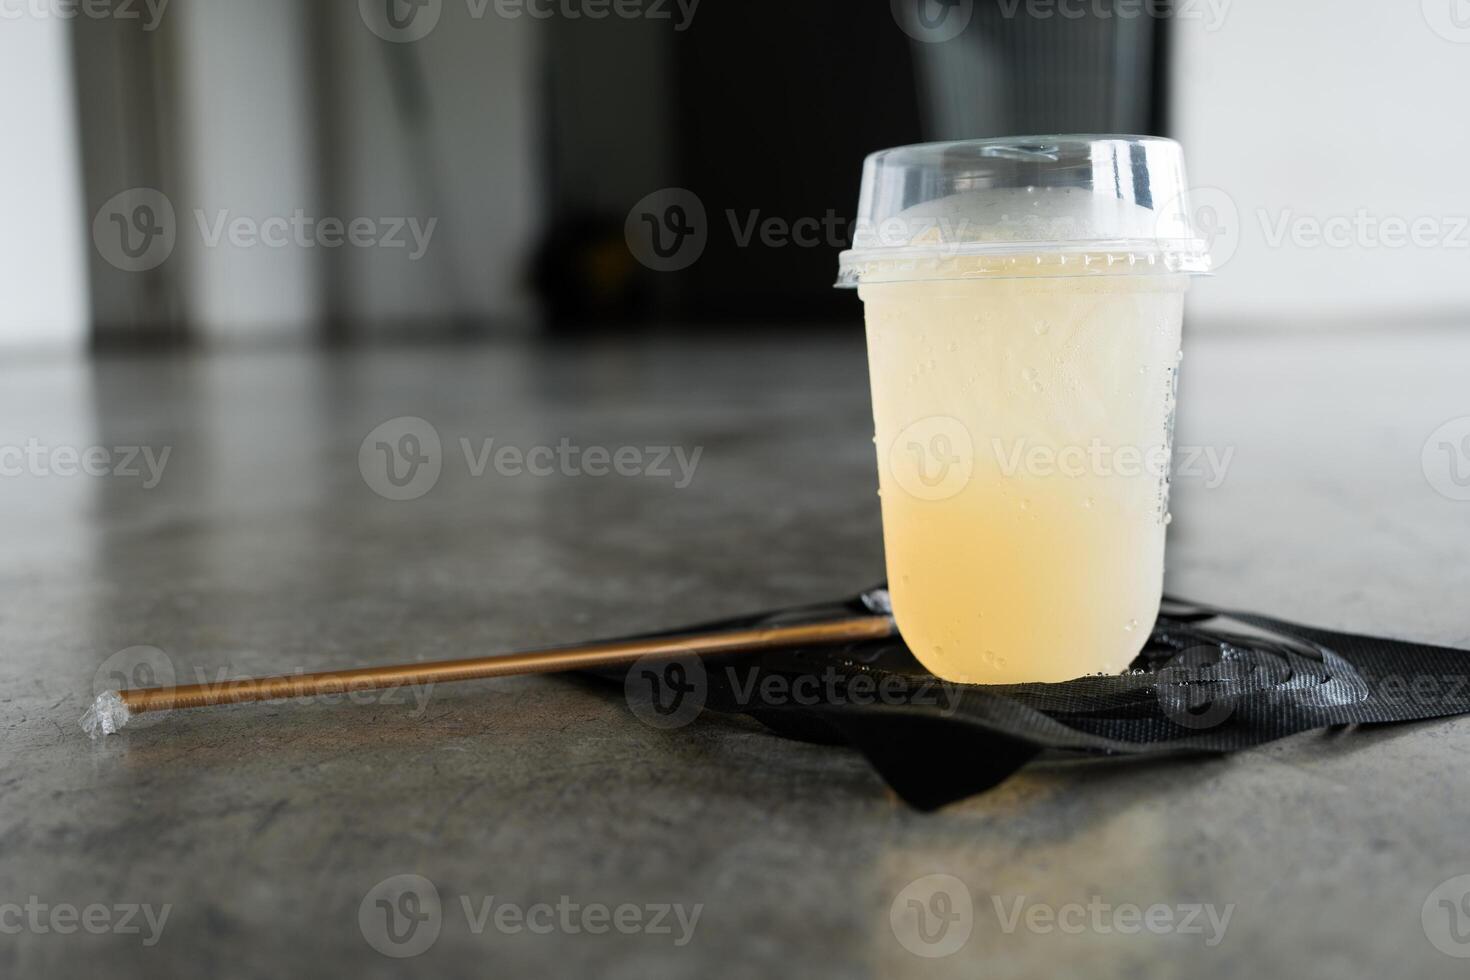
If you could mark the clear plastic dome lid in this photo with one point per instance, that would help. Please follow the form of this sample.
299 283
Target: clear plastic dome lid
1032 205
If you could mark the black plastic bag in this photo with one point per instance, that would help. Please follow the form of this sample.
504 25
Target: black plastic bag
1208 680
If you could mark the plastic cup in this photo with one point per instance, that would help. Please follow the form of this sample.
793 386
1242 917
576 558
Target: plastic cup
1023 300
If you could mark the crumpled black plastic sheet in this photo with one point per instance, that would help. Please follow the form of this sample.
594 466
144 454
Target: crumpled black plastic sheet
1208 681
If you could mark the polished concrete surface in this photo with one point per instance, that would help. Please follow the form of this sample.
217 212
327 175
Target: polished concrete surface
261 546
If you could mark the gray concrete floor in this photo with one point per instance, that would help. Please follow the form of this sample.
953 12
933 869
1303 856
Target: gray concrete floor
262 548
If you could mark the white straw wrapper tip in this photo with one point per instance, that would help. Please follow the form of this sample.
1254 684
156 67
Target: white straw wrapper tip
108 714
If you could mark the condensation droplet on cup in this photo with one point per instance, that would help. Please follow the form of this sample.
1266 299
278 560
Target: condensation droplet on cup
1041 327
1130 626
1168 519
1028 374
1088 503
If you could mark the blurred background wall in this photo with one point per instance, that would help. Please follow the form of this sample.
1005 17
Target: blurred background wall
1315 113
43 250
173 167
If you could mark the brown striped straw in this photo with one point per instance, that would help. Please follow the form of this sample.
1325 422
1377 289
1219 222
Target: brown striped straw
112 709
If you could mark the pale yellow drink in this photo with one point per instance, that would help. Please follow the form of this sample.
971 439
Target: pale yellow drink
1023 423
